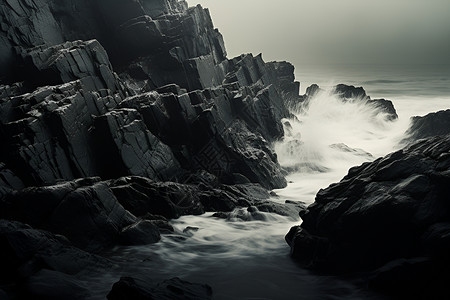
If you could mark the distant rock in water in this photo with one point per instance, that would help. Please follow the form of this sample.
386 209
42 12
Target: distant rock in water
382 213
432 124
349 93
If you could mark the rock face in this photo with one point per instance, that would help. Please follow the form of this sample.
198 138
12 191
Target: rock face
178 106
85 211
115 116
395 208
433 124
141 196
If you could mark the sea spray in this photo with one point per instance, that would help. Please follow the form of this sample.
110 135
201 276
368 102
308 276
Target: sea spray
328 136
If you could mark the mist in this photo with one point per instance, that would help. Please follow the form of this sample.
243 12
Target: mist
336 32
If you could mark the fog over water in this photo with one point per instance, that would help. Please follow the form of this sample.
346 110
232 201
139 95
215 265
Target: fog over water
336 32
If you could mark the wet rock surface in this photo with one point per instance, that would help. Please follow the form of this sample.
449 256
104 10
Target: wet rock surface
69 114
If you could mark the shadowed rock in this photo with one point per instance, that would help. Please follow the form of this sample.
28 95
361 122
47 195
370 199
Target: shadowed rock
48 284
393 208
181 130
26 251
171 289
141 233
85 211
432 124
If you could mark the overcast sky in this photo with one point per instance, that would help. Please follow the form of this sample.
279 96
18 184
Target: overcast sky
335 31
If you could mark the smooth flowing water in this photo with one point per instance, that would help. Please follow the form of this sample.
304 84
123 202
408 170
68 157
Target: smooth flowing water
250 259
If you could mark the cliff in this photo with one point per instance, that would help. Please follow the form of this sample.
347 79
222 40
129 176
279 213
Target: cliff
177 104
115 116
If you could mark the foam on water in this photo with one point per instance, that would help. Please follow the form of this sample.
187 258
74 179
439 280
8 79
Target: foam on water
250 259
328 137
239 259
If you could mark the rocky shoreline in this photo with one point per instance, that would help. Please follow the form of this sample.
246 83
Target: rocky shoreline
386 220
114 123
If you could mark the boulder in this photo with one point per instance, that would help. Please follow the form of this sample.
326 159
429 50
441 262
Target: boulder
85 211
172 289
263 211
151 200
25 251
140 233
141 195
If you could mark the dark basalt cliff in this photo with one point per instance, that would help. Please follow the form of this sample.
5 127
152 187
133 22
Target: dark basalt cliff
115 116
176 106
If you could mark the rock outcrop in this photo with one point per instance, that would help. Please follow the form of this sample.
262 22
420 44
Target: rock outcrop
95 214
433 124
43 264
391 215
383 106
85 211
178 106
116 116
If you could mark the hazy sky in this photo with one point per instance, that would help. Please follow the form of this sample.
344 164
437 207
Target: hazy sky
335 31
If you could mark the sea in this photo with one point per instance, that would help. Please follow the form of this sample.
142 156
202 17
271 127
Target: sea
250 259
